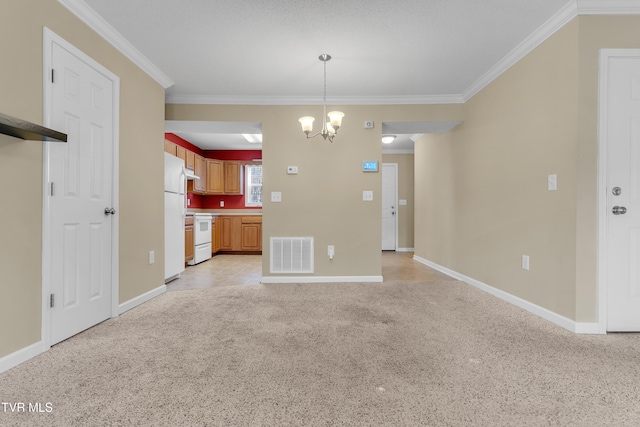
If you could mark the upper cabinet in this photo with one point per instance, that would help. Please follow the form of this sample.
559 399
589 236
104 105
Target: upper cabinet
170 147
233 177
216 176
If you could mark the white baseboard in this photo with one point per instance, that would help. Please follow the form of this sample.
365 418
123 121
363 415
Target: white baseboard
319 279
134 302
14 359
564 322
404 250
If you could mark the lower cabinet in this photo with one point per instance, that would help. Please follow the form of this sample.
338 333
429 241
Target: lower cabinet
240 233
188 239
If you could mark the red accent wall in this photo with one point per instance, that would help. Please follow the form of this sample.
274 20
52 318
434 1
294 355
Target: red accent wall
233 154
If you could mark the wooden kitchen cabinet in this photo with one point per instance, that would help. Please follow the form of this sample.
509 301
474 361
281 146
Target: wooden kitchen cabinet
181 153
188 239
251 233
240 233
216 225
215 176
198 186
232 177
191 160
170 147
230 233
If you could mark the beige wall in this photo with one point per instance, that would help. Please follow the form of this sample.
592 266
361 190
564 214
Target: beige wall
481 190
405 191
481 198
141 166
325 199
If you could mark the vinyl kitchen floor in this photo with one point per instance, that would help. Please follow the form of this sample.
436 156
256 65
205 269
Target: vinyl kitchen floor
231 270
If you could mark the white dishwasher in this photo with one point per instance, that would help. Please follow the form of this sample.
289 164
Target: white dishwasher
201 237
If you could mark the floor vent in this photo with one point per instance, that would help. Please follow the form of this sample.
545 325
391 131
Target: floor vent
292 255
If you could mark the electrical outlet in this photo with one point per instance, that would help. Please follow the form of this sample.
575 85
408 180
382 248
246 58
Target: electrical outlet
525 262
222 203
367 195
331 251
152 257
276 196
552 182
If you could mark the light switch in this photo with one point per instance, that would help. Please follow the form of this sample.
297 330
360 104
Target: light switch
367 196
402 202
276 196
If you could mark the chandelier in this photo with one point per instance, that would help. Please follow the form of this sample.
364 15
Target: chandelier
330 128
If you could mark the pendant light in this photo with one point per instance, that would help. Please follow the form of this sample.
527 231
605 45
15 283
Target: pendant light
329 128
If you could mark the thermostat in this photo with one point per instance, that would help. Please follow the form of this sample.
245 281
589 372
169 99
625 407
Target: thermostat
369 166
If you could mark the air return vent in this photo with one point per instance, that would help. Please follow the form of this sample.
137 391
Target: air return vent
292 255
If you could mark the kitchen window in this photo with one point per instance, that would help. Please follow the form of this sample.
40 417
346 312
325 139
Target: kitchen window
253 185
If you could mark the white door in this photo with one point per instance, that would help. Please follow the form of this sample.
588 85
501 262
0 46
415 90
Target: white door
80 103
623 192
389 205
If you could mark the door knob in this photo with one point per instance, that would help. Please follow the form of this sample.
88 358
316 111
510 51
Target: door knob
619 210
109 211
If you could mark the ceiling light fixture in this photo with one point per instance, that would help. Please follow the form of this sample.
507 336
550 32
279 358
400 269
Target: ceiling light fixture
388 139
253 138
330 128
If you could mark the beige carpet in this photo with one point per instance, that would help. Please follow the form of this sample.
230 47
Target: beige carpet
391 354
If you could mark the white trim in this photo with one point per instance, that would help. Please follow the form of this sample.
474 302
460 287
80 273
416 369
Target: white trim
17 357
141 299
608 7
87 15
293 100
320 279
49 37
398 151
564 322
405 250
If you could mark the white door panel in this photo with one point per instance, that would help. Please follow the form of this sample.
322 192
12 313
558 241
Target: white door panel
389 206
623 169
81 105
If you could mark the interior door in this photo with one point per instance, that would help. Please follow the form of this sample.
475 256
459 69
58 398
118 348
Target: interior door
389 205
81 195
623 193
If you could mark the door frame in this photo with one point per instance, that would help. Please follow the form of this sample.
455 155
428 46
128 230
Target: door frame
49 37
603 75
395 173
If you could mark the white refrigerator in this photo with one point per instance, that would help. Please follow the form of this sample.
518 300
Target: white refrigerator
175 209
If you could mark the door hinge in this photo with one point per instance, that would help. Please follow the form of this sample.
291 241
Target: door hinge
53 188
53 74
51 301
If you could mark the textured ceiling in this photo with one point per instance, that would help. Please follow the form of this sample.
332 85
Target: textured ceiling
266 51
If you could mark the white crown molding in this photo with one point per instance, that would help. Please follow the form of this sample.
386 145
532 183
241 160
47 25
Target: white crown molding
397 151
293 100
87 15
571 10
608 7
546 30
